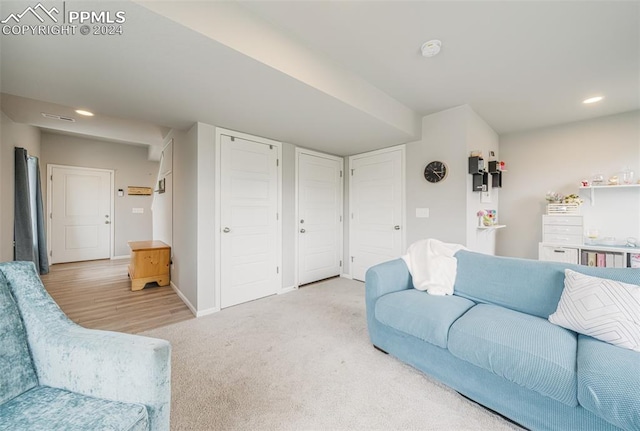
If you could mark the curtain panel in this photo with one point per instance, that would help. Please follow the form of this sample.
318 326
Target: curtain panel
29 231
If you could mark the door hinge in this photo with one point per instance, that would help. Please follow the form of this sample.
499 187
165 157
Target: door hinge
233 138
352 171
51 215
340 174
271 147
351 258
277 216
340 264
51 253
277 162
340 219
51 177
277 270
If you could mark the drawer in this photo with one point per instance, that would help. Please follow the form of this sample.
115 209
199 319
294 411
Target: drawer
562 220
562 229
558 238
558 254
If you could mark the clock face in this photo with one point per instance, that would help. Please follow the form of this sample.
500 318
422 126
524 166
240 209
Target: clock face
435 171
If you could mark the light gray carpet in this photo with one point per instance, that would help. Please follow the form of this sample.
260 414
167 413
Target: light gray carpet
303 361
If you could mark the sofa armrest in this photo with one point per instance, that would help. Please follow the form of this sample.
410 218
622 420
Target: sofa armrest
387 277
102 364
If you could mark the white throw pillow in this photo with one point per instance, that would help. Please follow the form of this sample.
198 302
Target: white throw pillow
604 309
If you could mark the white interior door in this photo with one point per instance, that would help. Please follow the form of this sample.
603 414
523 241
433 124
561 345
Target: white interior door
80 214
319 217
249 221
376 200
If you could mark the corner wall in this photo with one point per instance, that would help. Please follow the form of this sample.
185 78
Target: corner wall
449 136
557 159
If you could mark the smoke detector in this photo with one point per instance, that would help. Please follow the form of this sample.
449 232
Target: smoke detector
431 48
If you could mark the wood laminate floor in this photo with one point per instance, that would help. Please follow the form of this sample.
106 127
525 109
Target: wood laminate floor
97 294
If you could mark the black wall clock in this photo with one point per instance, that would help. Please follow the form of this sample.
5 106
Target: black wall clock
435 171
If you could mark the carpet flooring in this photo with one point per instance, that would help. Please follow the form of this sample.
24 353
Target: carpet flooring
303 361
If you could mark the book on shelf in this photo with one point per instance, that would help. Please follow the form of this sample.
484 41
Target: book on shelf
605 259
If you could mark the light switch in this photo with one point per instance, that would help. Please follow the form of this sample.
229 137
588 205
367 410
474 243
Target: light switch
137 210
422 212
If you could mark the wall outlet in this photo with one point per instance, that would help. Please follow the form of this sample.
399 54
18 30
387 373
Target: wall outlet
137 210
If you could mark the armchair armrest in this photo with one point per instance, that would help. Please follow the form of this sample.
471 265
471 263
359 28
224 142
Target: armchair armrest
102 364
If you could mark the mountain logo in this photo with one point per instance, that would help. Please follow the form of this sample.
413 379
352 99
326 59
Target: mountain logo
38 11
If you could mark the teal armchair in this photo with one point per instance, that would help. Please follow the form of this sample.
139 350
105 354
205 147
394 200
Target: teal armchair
56 375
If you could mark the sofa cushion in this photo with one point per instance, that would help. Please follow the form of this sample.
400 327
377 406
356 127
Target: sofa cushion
524 349
45 408
424 316
17 373
531 286
608 382
605 309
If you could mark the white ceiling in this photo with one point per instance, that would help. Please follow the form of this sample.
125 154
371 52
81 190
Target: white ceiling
336 76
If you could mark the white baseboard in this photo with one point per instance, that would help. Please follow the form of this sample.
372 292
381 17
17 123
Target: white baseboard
184 299
347 276
207 312
124 256
287 289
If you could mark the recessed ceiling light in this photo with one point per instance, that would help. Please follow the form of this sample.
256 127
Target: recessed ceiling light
593 99
85 113
431 48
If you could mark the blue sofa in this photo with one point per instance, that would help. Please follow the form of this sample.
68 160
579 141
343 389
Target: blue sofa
491 341
56 375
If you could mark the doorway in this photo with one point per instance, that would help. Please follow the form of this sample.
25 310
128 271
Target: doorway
80 205
319 185
376 207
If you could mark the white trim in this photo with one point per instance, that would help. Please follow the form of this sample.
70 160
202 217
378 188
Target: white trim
287 289
403 179
218 210
207 312
112 174
296 251
124 256
347 276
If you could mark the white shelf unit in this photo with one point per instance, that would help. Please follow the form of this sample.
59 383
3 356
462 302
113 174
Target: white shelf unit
592 189
572 253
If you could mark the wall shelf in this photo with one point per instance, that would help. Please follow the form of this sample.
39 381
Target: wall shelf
610 187
495 226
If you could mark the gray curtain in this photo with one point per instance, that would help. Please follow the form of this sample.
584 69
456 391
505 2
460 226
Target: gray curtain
29 234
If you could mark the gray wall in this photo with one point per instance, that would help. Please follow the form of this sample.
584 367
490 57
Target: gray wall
449 136
557 159
131 169
12 135
185 203
289 224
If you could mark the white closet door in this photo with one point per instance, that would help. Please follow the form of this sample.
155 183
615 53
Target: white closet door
320 217
376 210
249 205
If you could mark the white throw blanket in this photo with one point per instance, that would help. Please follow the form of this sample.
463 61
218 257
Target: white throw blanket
432 265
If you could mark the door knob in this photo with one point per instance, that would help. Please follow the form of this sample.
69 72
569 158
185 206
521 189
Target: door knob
107 222
302 231
226 230
301 220
396 227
